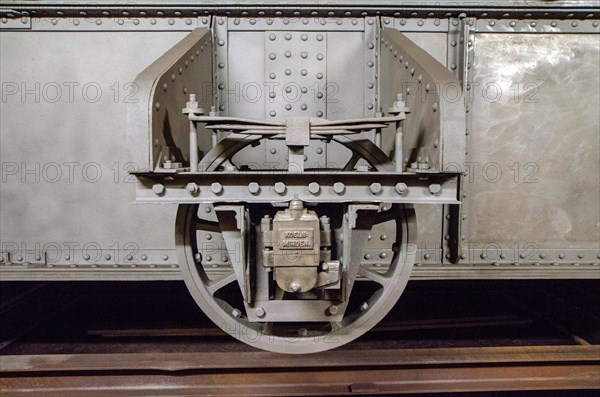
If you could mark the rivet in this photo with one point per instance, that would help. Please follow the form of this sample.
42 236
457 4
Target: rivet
522 256
332 310
595 24
426 256
370 22
370 64
304 55
561 256
76 22
553 24
512 23
574 24
273 113
272 94
67 257
383 237
383 255
319 37
355 22
319 95
253 187
279 187
320 57
375 187
288 36
314 187
370 46
339 187
303 72
455 23
434 107
453 43
288 107
580 255
420 22
216 188
533 24
107 257
502 256
144 257
224 258
304 90
288 54
304 37
273 150
319 114
319 76
483 256
236 313
370 106
171 22
272 76
288 89
208 236
272 37
370 85
367 256
221 65
221 21
319 150
272 56
98 21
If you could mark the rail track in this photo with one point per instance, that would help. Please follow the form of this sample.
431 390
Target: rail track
521 338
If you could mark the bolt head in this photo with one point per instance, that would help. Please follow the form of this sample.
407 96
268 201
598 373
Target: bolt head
260 312
332 310
325 267
253 187
216 188
158 188
435 188
339 187
314 187
375 188
280 187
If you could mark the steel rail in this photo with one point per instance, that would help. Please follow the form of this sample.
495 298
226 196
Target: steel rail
345 372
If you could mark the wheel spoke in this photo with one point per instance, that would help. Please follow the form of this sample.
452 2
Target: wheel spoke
216 285
373 275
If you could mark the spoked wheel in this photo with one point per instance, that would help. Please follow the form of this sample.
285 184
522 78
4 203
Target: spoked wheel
220 297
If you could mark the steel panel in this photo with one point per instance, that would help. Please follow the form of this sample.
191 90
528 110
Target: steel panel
549 133
77 192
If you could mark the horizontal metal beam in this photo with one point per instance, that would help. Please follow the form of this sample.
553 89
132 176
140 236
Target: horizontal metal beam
315 187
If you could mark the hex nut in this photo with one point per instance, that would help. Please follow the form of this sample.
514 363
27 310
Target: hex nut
192 188
339 187
435 188
314 187
158 188
216 188
253 187
260 312
375 187
401 187
280 187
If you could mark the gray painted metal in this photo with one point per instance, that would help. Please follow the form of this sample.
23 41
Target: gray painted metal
37 134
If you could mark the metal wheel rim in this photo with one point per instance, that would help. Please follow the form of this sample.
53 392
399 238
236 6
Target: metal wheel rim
354 324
